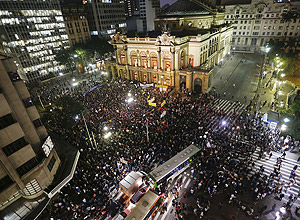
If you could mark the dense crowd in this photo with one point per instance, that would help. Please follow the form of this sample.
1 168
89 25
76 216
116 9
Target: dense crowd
223 164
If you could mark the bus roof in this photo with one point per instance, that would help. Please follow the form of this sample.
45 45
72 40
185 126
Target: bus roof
142 208
163 170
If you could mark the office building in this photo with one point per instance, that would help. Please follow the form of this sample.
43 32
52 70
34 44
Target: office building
31 31
75 18
194 39
109 17
131 6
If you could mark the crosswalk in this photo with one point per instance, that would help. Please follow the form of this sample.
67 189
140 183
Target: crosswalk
286 168
229 111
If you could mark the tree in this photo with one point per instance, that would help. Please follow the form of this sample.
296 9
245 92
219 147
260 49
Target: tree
288 17
276 47
62 112
99 47
293 114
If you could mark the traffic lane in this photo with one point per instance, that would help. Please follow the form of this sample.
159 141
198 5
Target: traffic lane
242 82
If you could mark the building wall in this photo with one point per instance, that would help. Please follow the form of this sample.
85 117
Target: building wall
109 17
168 60
31 31
23 164
258 22
77 26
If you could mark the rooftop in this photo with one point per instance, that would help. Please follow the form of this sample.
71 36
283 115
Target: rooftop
183 8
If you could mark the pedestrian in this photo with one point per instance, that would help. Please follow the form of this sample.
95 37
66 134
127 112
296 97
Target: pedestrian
283 155
273 207
270 155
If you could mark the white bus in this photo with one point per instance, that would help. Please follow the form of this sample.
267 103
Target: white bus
173 167
146 207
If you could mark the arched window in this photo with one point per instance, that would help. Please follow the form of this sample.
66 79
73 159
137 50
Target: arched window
153 58
182 60
144 62
134 60
122 57
167 63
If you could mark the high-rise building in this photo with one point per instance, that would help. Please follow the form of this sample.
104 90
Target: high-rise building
255 22
109 17
149 9
31 31
131 6
75 18
30 159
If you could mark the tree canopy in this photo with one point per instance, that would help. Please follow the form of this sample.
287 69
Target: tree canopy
293 114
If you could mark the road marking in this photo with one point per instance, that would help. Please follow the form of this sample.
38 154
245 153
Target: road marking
168 209
183 180
187 183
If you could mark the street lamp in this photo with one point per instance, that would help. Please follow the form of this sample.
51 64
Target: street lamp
130 100
224 122
105 128
75 55
107 135
286 120
129 94
73 79
282 75
283 127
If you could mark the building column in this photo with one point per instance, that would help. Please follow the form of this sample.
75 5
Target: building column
189 81
126 54
172 58
177 80
159 58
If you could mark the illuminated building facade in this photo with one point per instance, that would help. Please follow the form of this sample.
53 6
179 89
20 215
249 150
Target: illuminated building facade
255 22
195 38
130 7
31 31
109 17
76 23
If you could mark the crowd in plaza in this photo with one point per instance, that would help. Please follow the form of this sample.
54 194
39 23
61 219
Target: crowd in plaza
224 164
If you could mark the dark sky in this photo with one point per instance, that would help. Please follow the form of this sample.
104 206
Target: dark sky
163 2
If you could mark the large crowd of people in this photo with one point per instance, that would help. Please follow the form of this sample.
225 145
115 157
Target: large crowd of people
144 137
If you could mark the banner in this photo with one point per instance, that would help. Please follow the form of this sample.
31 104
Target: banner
146 85
91 89
163 114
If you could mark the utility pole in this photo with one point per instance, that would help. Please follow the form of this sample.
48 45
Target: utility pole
86 127
147 131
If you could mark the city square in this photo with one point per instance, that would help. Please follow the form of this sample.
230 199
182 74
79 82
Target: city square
174 113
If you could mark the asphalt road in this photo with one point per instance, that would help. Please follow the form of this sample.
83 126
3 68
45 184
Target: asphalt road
237 77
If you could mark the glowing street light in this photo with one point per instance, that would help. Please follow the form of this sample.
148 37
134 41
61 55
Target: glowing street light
129 94
282 75
73 79
107 135
105 128
130 100
286 120
283 127
224 122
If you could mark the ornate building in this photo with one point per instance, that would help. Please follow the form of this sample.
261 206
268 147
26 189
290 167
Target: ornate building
255 22
195 39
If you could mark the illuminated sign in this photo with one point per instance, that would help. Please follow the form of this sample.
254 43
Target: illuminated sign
48 146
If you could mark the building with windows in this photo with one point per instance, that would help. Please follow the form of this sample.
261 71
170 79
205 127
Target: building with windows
149 9
255 22
194 39
31 31
75 18
28 164
131 6
109 16
30 159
